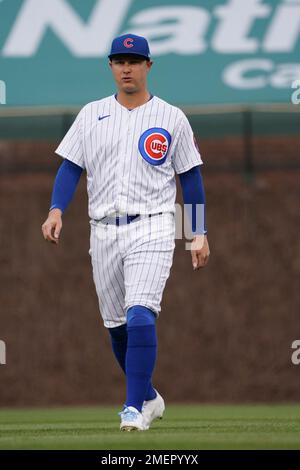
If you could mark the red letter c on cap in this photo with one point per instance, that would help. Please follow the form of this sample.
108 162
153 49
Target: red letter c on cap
128 42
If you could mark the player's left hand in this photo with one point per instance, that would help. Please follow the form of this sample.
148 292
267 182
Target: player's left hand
200 251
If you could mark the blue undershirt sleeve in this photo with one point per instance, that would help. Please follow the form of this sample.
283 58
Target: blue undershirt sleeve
65 184
194 199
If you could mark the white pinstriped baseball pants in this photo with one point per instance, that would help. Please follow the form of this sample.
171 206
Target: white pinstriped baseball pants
131 264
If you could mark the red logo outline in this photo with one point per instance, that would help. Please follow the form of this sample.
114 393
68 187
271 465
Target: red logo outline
128 42
156 146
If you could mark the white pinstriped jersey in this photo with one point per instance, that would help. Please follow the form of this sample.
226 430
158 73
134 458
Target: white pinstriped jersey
130 156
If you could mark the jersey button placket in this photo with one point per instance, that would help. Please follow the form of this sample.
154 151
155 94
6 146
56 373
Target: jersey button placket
120 166
126 163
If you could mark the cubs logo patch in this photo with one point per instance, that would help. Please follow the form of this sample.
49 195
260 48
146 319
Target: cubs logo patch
128 42
154 144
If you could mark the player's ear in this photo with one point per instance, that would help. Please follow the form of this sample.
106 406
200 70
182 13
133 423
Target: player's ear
149 64
109 63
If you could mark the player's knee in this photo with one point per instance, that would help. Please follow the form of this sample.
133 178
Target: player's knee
138 315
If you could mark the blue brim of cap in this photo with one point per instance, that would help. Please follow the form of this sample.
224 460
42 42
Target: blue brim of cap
128 53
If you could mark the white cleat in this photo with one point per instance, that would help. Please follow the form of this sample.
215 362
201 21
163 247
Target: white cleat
153 409
131 419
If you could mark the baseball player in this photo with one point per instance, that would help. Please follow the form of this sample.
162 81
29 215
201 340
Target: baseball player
131 144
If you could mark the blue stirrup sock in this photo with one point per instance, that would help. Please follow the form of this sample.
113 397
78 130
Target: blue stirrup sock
118 337
141 355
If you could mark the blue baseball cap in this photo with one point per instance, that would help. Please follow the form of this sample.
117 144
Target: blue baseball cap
130 44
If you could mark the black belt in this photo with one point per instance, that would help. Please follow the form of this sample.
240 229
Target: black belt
125 219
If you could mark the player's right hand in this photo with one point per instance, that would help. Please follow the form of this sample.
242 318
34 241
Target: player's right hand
51 228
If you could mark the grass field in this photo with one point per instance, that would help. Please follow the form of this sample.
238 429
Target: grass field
183 427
